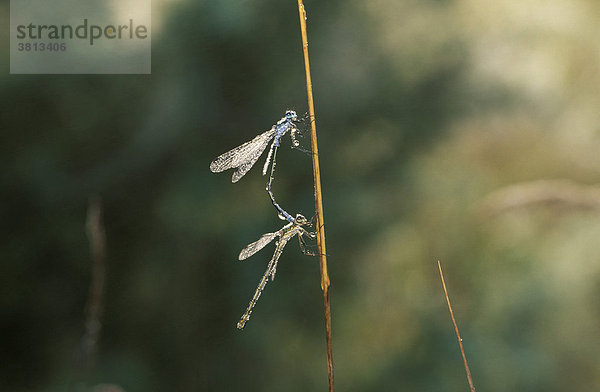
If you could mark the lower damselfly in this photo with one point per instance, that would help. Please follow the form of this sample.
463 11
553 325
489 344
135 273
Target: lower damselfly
243 157
286 233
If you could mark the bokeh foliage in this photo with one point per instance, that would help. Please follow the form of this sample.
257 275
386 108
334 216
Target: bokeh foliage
424 109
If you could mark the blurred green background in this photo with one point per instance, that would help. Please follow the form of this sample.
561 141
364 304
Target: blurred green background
437 120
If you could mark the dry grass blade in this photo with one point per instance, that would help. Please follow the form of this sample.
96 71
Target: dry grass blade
462 350
318 196
559 194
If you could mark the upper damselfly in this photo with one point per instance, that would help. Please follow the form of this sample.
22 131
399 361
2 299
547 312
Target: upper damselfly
243 157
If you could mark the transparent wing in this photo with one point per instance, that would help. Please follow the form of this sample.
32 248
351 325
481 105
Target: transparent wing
242 157
254 247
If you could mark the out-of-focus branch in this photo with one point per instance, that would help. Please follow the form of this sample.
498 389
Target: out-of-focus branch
563 194
97 238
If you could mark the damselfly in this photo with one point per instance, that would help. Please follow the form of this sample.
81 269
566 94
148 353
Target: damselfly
243 157
286 233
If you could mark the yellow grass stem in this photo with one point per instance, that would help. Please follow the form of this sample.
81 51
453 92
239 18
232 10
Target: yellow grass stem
462 351
318 196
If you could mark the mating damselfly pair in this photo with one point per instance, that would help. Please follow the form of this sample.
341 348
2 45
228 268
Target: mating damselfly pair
242 158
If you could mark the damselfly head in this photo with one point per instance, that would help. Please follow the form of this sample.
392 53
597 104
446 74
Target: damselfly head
300 219
291 115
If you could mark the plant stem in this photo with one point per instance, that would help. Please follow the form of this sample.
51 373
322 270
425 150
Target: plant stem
318 196
462 351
